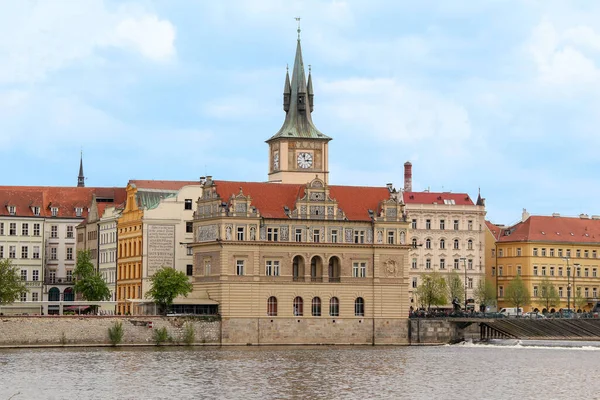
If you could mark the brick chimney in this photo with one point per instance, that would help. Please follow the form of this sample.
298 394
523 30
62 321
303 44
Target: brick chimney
407 176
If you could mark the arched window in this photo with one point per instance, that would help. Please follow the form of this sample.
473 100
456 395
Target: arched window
334 307
54 294
316 307
456 246
272 306
359 307
470 244
442 244
414 243
68 294
298 306
428 243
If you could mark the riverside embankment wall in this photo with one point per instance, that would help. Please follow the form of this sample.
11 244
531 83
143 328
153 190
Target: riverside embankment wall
138 330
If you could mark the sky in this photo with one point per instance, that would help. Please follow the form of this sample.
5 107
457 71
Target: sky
497 95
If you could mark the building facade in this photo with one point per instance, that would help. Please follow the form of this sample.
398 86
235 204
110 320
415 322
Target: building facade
562 250
107 248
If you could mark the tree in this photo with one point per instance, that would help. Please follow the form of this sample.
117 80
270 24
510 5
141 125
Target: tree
517 293
168 283
485 293
548 294
432 291
579 302
11 285
456 288
88 282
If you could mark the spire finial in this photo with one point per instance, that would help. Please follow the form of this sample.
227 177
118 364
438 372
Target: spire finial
299 30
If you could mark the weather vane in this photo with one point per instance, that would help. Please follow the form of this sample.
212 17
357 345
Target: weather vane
298 20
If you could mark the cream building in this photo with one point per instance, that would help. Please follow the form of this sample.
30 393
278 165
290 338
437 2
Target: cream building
107 248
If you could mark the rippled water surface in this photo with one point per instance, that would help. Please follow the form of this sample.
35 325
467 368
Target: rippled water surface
447 372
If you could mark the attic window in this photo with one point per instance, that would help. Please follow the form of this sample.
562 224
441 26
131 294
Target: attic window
449 201
12 210
572 234
78 211
543 233
36 211
587 234
54 211
558 233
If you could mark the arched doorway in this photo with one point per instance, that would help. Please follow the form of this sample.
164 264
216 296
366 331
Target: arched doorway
334 269
54 294
316 269
298 269
69 294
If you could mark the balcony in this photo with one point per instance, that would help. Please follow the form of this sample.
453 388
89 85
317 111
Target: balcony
58 281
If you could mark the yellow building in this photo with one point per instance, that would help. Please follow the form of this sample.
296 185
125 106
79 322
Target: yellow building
563 249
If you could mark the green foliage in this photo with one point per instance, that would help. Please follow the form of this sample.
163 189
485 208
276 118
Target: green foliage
432 291
168 283
189 334
88 282
456 288
161 335
11 285
579 302
485 293
548 294
517 293
115 333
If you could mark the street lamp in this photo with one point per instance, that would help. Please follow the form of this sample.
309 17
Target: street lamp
568 283
575 268
464 260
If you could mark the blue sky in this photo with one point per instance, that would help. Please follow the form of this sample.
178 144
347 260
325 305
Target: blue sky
502 95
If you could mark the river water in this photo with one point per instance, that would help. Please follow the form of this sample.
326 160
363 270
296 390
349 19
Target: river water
504 370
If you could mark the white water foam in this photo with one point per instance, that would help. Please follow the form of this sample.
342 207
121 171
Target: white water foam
532 344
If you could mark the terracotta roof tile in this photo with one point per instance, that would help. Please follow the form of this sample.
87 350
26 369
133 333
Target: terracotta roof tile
433 197
270 198
553 229
494 229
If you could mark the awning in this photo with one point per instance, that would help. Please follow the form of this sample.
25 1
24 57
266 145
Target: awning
76 308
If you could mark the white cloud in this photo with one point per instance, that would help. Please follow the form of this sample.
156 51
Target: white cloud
152 37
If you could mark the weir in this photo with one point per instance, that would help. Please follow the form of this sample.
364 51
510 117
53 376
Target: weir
542 329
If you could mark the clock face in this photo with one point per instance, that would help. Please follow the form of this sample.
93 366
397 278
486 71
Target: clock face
275 160
305 160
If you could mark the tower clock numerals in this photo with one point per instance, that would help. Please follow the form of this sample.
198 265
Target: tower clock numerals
305 160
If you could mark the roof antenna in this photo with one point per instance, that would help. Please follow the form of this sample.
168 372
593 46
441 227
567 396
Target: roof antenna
298 20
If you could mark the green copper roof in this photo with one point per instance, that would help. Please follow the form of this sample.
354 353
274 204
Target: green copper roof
298 121
150 198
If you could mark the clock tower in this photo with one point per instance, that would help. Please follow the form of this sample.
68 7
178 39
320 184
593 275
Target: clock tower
298 151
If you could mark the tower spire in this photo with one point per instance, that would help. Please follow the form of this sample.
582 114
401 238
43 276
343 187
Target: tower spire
81 178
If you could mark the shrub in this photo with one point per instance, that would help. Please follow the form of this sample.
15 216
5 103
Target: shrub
189 335
160 335
115 333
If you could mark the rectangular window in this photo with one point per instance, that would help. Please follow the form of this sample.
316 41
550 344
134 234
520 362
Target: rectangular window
53 253
35 275
240 233
578 253
594 273
359 269
586 253
414 224
456 263
500 291
493 252
189 227
34 296
594 254
54 211
189 251
298 235
12 229
25 229
470 283
189 269
78 211
493 271
36 252
187 204
543 271
535 291
272 268
594 293
500 270
273 234
586 272
551 252
569 253
1 252
12 252
455 224
52 276
24 252
428 263
391 237
23 274
560 291
2 228
518 270
54 231
239 267
442 224
69 253
334 236
535 251
535 270
24 296
427 224
415 282
551 271
560 252
36 229
207 267
442 263
578 272
470 263
69 275
470 225
543 252
359 236
500 253
560 271
518 252
316 235
413 264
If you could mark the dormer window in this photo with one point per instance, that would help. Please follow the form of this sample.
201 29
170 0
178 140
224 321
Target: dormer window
78 211
36 210
54 211
12 210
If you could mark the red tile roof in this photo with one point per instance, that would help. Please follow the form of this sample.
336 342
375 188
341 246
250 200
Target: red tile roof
433 198
553 229
270 198
45 197
494 229
162 185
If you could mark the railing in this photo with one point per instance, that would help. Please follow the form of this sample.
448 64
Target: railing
56 281
474 315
